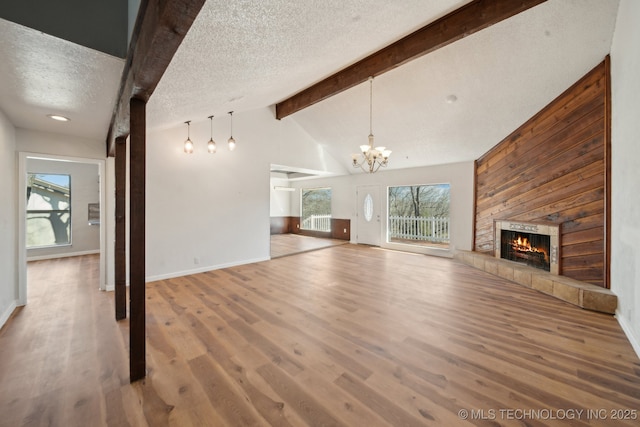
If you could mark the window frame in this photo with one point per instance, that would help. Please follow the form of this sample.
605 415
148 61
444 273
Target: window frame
419 243
48 211
302 210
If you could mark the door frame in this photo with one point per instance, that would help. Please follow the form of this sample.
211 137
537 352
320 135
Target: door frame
22 216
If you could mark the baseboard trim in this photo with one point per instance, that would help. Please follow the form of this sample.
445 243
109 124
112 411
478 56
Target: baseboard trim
7 313
202 269
64 255
629 332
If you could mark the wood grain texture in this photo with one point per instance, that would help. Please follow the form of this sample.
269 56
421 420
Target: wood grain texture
344 336
137 248
120 246
554 168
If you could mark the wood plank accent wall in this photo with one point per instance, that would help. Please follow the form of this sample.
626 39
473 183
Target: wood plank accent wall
340 228
555 168
280 225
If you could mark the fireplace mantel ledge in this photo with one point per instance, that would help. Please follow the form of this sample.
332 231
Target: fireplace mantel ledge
585 295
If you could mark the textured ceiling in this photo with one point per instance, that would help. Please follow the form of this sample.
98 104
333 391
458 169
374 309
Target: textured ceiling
243 55
41 74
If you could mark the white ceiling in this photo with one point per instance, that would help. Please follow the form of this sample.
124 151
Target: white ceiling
41 74
243 55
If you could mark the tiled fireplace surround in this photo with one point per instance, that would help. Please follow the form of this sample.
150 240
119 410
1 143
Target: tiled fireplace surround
582 294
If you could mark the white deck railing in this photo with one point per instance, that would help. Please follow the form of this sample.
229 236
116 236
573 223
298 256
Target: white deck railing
433 229
317 222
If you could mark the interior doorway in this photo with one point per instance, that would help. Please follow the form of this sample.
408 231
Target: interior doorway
23 167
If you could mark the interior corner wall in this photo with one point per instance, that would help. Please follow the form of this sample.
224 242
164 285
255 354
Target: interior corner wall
553 169
8 220
625 126
85 189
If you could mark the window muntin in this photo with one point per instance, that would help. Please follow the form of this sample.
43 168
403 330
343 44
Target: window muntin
419 215
316 209
48 210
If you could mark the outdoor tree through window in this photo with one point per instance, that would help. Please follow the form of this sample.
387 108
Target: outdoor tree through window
316 209
48 210
419 214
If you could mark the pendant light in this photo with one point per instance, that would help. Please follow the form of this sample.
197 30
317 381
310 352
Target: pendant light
188 144
211 145
232 142
370 159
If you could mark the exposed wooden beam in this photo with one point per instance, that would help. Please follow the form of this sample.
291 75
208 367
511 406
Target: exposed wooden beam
472 17
159 30
137 159
121 232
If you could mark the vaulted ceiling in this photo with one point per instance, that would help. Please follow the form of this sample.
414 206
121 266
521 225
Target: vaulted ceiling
450 105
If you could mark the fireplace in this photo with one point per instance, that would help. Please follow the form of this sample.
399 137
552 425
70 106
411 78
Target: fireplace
535 245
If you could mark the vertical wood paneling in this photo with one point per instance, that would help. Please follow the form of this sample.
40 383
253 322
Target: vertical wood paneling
340 229
280 225
555 168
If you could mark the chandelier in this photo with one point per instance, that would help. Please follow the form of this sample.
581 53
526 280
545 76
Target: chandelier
370 159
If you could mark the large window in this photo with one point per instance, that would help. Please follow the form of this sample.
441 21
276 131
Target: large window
419 215
48 210
316 209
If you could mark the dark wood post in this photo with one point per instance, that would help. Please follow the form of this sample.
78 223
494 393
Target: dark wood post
137 161
121 232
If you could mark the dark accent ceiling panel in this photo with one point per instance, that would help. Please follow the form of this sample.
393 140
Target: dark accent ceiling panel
96 24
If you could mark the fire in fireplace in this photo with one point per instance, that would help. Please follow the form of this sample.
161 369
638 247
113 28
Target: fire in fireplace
527 248
533 244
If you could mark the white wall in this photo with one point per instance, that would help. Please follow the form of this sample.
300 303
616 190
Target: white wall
280 200
625 140
32 141
85 189
207 211
8 220
343 199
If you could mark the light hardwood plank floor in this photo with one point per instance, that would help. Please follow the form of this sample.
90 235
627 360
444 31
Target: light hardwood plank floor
291 244
344 336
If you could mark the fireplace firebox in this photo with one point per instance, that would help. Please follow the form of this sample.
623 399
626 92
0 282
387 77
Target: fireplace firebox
535 245
528 248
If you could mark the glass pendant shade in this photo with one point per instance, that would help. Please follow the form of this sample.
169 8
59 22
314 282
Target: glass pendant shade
188 144
232 142
211 145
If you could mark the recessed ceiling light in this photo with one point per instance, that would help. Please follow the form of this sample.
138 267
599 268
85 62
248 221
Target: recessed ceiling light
58 118
451 99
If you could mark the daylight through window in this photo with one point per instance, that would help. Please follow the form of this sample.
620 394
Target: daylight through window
419 215
316 209
48 210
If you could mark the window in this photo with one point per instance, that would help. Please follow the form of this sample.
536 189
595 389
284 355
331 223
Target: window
316 209
419 215
48 210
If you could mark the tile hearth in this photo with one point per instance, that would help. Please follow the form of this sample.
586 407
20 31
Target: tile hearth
585 295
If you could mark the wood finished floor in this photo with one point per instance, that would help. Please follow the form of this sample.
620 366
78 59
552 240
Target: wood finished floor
343 336
291 244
